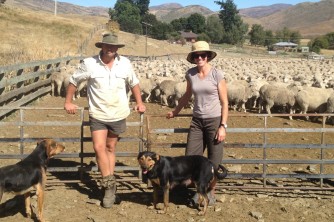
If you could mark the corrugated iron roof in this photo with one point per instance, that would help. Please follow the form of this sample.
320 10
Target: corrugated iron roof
188 34
285 44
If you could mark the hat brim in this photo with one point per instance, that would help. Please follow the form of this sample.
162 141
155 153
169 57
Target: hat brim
99 44
191 59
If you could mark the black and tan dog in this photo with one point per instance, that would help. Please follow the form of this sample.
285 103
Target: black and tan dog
166 172
30 174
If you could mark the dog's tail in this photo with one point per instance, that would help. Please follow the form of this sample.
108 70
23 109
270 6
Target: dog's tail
221 172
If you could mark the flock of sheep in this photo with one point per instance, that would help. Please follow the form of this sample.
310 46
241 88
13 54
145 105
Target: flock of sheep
293 85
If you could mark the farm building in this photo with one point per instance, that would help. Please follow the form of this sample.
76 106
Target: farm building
286 46
189 36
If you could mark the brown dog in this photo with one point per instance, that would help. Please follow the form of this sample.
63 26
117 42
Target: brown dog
166 172
30 174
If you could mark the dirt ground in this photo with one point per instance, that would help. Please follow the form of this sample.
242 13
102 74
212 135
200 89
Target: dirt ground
78 202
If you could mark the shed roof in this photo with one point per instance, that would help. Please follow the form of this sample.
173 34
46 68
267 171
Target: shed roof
284 44
188 34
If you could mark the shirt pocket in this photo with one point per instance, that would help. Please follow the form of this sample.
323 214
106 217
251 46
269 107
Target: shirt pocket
97 80
120 80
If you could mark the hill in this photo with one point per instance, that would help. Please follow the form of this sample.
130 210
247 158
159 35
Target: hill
38 35
310 19
169 12
62 7
262 11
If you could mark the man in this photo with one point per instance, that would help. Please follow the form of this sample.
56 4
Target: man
107 75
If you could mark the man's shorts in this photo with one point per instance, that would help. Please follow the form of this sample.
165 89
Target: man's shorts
116 128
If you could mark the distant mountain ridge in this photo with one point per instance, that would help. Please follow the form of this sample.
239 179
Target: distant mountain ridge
310 19
62 7
261 11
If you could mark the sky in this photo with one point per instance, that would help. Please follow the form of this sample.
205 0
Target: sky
209 4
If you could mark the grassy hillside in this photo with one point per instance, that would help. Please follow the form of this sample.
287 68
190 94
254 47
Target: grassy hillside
34 35
310 19
30 35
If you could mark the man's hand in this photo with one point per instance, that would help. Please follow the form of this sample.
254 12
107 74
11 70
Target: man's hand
70 108
140 108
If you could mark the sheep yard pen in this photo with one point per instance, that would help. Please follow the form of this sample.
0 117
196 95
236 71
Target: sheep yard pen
252 141
265 155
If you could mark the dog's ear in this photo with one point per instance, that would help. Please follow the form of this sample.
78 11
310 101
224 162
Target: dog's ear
51 147
39 141
157 157
140 154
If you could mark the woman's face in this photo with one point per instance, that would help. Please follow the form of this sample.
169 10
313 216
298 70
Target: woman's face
201 58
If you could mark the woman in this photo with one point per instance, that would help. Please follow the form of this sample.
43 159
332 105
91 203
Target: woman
208 124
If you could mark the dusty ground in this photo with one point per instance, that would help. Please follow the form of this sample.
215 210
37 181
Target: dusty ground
81 201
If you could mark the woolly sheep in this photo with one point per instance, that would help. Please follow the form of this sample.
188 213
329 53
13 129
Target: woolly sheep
330 106
313 99
255 86
146 87
167 90
238 94
271 95
58 80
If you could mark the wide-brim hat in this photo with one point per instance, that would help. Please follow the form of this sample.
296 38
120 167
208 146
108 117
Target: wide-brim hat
109 39
200 46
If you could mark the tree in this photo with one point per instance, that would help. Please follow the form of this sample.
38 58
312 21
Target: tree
180 24
283 35
269 39
234 27
203 37
128 17
214 29
142 6
330 39
295 37
257 35
196 23
161 31
318 43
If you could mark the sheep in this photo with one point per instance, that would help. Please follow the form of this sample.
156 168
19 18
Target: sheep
179 89
272 95
80 87
255 86
62 79
238 94
146 87
330 106
167 90
58 82
313 99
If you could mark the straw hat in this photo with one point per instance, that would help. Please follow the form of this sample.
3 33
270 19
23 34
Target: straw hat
200 46
110 39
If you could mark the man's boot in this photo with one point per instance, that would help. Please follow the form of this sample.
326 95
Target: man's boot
108 184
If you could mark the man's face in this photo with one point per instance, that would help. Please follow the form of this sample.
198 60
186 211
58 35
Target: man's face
109 50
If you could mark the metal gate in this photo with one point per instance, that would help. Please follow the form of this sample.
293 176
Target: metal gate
72 131
253 159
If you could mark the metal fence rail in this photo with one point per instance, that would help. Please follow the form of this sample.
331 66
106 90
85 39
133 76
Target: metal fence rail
80 124
323 130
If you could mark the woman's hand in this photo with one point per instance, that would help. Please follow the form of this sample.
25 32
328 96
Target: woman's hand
221 134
